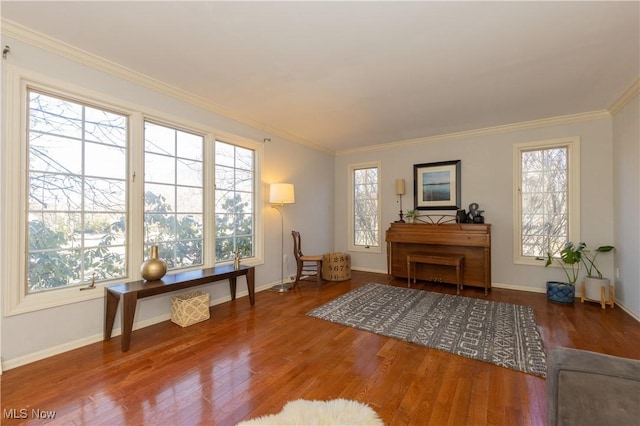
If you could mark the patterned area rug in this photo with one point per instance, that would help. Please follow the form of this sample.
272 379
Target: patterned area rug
500 333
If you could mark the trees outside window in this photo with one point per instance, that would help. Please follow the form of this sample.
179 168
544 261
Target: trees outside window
79 209
234 201
95 183
174 194
365 207
77 192
547 194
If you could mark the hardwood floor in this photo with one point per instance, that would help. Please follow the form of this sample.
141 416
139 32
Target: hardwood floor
249 361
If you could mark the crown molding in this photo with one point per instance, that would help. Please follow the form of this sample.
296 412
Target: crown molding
89 59
524 125
624 99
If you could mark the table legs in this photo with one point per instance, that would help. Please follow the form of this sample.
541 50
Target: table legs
110 308
129 302
251 285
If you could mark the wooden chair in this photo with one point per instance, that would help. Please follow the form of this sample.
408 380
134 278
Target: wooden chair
307 265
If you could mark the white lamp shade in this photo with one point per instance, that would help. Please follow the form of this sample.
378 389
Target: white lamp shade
281 193
400 187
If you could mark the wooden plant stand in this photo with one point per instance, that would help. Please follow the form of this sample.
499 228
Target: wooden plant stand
603 294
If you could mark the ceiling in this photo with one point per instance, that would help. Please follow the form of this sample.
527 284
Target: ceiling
345 75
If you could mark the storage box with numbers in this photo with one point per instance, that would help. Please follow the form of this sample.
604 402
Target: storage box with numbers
190 308
336 266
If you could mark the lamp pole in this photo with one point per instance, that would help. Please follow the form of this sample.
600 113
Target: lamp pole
282 287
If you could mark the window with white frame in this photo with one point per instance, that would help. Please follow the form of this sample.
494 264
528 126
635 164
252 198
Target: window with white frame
547 196
364 221
234 201
94 184
77 192
174 194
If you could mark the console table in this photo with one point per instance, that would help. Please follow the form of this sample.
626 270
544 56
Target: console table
130 292
473 241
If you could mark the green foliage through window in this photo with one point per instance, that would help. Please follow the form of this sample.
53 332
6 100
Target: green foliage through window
77 193
234 201
174 195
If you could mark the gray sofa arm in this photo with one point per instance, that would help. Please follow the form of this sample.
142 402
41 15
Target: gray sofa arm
587 388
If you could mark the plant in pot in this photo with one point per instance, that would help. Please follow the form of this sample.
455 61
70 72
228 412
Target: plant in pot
411 215
569 260
596 286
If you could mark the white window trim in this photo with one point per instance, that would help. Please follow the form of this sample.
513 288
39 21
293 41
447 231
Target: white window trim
14 159
351 211
573 193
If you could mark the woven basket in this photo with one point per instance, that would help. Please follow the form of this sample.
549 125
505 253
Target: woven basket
190 308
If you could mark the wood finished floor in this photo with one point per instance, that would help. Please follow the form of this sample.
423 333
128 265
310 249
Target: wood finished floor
249 361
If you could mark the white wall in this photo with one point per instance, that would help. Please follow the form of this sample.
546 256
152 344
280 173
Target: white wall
626 184
487 178
31 336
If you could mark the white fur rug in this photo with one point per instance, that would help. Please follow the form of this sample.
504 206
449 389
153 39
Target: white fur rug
335 412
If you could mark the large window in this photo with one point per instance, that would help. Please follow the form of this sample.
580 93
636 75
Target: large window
93 185
365 208
547 194
77 192
235 200
174 194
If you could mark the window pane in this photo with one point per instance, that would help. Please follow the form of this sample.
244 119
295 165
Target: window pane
189 172
105 161
189 146
159 168
159 139
50 153
77 193
174 191
234 200
55 192
54 116
189 199
544 201
105 127
365 207
106 195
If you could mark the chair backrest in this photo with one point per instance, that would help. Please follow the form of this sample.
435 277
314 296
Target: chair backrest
297 245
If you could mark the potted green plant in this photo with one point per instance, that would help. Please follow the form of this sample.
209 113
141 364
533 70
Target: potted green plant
569 260
594 281
411 215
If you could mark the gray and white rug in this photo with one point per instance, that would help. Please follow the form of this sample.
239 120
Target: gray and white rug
500 333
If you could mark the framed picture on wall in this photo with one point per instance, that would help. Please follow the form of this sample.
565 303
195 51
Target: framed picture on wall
436 186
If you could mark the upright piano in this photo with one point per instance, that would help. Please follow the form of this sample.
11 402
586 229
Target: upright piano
471 240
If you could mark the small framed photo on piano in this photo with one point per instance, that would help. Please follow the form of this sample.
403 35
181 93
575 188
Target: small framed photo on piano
436 186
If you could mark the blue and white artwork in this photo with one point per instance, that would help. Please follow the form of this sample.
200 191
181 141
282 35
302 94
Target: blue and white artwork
436 186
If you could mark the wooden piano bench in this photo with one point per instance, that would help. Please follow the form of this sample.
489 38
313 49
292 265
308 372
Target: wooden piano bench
456 261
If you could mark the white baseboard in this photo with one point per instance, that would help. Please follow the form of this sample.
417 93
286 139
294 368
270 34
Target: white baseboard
518 287
377 271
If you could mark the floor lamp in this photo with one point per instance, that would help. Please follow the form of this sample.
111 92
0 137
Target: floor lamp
281 194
